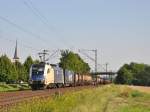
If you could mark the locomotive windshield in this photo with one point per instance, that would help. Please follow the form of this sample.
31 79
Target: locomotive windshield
38 69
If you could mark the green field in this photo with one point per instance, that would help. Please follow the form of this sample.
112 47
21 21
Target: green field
110 98
13 87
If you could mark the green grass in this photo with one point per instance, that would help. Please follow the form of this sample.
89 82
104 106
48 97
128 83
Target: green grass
110 98
13 87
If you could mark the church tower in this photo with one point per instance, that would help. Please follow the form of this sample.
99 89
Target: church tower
16 58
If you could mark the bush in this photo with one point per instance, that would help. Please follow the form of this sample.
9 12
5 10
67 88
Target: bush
136 94
135 74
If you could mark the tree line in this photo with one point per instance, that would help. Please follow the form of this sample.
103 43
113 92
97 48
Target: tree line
134 74
13 72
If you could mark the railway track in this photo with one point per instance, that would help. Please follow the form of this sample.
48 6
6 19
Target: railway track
8 99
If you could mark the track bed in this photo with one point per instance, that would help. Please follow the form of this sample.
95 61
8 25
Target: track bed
8 99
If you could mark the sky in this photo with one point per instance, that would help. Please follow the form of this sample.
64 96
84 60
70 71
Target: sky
118 29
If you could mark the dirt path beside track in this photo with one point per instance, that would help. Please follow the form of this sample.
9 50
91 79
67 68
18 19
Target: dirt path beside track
141 88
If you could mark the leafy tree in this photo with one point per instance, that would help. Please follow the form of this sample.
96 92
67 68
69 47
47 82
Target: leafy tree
27 64
21 72
124 76
72 61
134 73
8 72
14 72
143 77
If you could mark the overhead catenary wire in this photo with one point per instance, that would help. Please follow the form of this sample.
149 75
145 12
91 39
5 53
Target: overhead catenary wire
37 13
54 52
22 44
44 20
23 29
82 51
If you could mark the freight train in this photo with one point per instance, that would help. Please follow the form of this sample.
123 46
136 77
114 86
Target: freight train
44 75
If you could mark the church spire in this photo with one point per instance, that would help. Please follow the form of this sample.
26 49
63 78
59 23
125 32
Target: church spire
16 58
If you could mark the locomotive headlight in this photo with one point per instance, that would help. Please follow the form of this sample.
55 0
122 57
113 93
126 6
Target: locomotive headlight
43 81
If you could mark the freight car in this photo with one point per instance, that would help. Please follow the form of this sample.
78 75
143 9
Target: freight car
84 79
52 76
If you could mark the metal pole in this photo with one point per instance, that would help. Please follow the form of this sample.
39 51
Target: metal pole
107 70
96 63
106 67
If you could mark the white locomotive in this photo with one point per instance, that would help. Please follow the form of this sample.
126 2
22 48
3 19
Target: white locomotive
49 76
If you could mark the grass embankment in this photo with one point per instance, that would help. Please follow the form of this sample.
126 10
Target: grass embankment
13 87
110 98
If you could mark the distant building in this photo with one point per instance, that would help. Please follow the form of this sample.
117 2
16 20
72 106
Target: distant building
16 58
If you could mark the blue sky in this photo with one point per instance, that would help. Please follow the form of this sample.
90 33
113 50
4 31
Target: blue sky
119 29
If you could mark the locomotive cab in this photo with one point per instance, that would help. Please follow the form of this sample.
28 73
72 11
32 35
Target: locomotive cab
41 75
